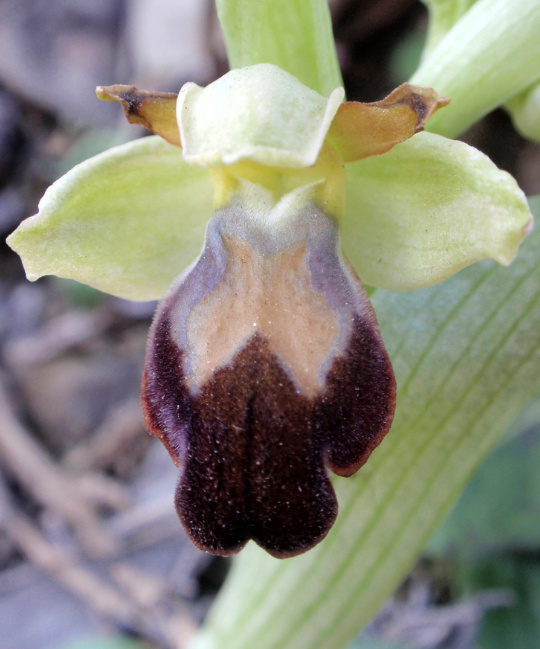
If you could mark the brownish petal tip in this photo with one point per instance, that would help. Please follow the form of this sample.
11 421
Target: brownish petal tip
361 130
156 111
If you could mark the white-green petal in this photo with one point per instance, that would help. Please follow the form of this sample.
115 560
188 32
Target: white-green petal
126 222
491 54
428 208
295 35
525 112
259 113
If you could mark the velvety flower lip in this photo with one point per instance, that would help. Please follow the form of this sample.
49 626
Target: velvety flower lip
265 364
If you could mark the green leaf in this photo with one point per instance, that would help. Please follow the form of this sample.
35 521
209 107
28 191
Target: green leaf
127 221
426 209
466 357
499 508
295 35
491 54
516 626
527 421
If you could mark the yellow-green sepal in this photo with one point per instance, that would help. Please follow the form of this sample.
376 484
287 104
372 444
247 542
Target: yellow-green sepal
126 222
428 208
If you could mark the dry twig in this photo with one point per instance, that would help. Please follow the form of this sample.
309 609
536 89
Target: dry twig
76 498
124 424
138 602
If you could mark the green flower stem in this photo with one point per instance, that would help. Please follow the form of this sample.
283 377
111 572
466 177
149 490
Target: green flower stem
466 363
295 35
491 54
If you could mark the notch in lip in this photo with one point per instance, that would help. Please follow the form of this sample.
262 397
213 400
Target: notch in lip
254 452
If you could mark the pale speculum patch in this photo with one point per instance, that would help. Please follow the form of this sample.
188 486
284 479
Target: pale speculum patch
272 295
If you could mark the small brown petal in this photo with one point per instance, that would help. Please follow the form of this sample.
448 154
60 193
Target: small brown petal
265 366
361 130
156 111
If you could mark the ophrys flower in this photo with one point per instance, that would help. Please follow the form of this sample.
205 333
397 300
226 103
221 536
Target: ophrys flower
265 363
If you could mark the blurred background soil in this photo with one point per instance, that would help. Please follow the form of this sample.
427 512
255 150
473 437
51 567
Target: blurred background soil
91 552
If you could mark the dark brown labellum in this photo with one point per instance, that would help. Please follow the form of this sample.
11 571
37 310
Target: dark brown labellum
265 368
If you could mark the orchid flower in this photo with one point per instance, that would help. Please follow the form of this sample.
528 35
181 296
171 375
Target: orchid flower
256 217
288 184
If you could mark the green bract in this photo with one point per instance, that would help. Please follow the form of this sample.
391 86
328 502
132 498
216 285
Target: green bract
443 15
488 56
295 35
